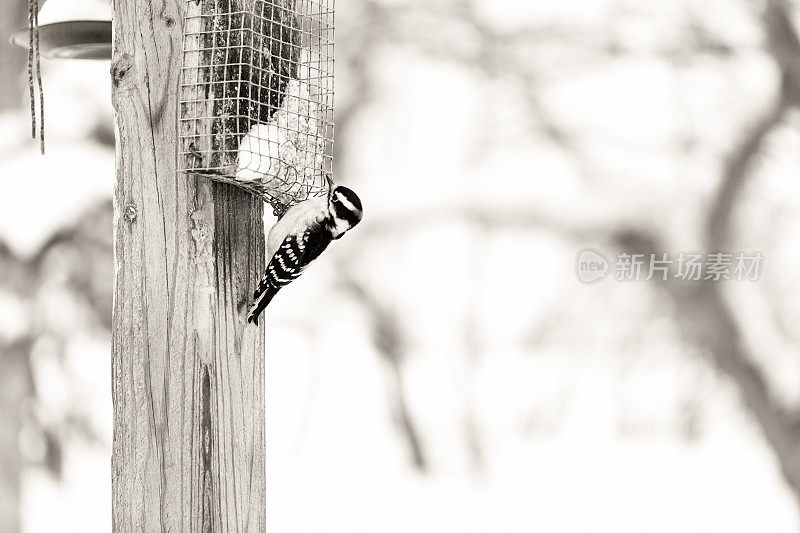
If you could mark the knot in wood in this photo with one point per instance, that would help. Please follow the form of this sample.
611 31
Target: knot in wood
130 213
120 68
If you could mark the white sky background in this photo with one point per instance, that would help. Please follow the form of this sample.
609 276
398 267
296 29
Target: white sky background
579 393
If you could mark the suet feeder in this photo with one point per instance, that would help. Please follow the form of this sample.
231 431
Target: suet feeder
256 101
71 29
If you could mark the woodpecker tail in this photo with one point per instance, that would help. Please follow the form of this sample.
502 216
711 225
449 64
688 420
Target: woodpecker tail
261 304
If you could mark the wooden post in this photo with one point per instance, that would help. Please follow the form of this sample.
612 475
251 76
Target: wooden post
188 373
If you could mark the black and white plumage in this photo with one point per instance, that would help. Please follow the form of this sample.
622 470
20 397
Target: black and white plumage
300 236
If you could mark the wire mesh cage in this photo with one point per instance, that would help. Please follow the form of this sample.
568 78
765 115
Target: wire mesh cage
256 104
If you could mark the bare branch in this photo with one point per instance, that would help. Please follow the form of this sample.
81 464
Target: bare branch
735 173
387 339
784 43
705 316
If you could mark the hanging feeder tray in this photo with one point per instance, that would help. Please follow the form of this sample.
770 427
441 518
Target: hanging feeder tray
71 29
74 39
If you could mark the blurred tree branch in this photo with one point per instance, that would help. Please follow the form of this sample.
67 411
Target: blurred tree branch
704 313
78 256
387 338
454 31
723 337
708 316
783 44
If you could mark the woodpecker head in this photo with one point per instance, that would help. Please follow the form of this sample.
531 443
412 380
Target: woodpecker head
345 210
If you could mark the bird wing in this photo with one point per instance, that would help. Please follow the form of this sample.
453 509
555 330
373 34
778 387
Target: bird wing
295 253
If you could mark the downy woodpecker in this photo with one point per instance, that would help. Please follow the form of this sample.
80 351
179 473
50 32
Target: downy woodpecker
300 236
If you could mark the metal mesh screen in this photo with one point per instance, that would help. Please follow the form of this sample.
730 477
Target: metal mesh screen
256 104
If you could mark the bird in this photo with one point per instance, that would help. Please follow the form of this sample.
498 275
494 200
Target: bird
300 236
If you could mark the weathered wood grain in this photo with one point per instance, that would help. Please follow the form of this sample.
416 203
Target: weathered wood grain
187 373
